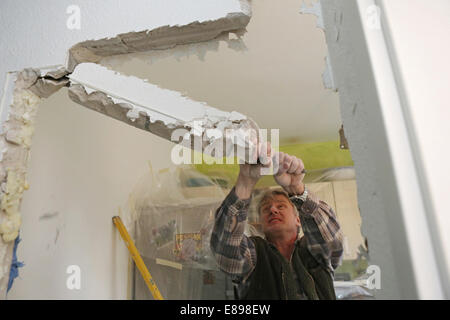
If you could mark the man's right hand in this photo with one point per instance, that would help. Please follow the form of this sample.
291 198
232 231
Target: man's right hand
249 174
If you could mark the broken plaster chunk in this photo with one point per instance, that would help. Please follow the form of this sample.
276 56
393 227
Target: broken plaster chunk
46 87
26 78
57 73
13 136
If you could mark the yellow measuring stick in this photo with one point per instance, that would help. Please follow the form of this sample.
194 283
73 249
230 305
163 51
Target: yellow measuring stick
137 258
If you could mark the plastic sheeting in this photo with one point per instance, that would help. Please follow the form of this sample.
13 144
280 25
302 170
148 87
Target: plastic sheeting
172 215
352 292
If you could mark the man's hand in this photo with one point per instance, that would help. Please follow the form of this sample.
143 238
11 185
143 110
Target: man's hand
249 174
290 173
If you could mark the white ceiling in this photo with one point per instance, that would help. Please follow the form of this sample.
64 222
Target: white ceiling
276 81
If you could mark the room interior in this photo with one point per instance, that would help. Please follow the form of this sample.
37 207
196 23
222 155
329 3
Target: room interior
276 80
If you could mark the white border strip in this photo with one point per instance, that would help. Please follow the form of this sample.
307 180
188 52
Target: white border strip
418 235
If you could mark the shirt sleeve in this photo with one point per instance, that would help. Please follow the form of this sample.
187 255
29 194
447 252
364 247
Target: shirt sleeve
235 253
322 231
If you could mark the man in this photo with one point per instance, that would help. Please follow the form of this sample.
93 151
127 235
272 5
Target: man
281 266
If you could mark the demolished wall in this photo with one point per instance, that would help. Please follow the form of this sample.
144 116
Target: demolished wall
31 85
15 145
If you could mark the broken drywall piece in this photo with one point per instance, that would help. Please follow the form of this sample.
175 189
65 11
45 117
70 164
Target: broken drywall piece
315 9
55 74
50 81
46 87
160 111
163 37
233 40
19 111
159 104
41 82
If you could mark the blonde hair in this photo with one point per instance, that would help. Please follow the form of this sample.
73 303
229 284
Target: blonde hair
270 194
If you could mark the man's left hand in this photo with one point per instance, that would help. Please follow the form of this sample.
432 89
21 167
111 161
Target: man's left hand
290 173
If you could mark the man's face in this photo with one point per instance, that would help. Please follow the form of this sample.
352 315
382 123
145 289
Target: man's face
278 215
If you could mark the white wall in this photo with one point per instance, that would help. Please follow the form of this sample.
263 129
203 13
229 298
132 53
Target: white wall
418 39
83 166
392 80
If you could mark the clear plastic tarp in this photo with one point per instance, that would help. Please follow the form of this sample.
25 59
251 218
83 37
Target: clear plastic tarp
171 215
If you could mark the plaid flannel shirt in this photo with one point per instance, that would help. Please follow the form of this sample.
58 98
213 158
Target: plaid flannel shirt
235 253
